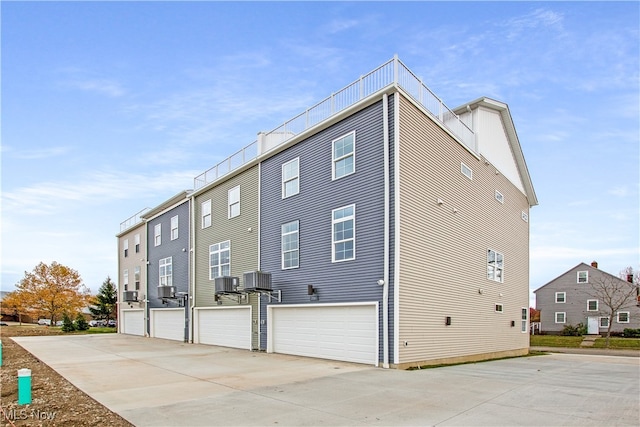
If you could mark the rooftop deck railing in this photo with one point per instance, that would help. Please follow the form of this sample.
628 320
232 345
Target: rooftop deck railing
391 72
132 220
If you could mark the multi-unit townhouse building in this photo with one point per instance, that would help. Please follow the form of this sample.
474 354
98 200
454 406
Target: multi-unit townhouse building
377 227
585 295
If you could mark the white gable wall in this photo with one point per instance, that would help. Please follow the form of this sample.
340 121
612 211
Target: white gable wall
494 146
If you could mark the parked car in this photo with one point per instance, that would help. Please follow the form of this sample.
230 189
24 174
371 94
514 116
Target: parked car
94 323
59 323
3 324
45 322
112 323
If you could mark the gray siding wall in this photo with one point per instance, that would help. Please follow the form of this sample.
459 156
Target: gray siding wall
575 305
177 249
347 281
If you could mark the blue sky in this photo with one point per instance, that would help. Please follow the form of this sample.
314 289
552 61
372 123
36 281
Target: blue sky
108 108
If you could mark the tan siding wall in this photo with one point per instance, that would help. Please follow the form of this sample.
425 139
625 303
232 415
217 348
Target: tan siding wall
244 243
130 262
443 254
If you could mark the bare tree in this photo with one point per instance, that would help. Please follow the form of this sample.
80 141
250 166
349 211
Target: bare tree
614 294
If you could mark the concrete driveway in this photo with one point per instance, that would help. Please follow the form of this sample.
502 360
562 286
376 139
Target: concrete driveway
153 382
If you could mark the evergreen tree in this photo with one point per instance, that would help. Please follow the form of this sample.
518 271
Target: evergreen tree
81 323
67 323
105 303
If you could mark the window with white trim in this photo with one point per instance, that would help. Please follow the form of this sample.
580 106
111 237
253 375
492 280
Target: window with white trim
137 242
499 308
343 155
343 236
623 317
561 297
290 238
174 227
165 272
205 213
524 316
220 260
291 178
583 277
466 170
157 235
234 202
136 277
592 305
126 247
499 197
604 322
561 317
125 276
495 265
525 216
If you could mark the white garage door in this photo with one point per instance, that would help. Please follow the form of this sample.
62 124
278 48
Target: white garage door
227 327
132 322
167 323
337 332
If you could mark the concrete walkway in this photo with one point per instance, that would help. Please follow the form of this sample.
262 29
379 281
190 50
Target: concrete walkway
153 382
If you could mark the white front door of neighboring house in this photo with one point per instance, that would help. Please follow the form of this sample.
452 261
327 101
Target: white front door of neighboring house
593 325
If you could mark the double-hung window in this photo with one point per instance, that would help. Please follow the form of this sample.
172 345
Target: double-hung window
604 322
125 280
126 247
592 305
174 227
290 245
137 242
561 317
561 297
157 235
234 202
205 213
583 276
523 319
623 317
291 178
495 265
344 150
166 272
136 278
343 237
220 260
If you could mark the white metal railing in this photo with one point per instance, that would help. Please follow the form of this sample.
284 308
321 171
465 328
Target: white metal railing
132 220
389 73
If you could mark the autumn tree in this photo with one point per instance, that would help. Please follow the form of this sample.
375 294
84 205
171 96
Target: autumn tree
105 303
52 290
16 304
614 294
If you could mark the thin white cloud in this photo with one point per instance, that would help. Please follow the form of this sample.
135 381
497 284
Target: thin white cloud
107 87
36 153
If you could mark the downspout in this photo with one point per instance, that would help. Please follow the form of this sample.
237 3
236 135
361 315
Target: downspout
259 266
385 289
192 259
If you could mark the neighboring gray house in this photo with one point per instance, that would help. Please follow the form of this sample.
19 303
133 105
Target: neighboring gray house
572 298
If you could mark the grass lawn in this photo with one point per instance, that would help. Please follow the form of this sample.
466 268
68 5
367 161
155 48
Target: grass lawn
620 343
554 341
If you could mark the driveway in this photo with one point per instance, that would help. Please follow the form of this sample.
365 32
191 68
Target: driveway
153 382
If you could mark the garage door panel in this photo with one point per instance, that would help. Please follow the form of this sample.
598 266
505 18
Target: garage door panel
333 332
133 322
227 327
168 324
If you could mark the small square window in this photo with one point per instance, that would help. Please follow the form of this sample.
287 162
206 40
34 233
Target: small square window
466 171
499 197
525 216
604 322
623 317
561 297
561 317
583 277
592 305
499 308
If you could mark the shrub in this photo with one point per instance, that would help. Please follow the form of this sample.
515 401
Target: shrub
67 324
574 331
81 323
631 333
